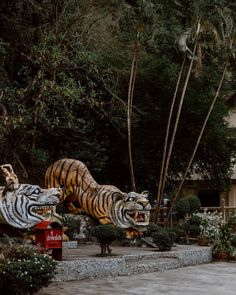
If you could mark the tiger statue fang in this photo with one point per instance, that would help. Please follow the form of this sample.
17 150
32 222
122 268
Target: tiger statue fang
136 211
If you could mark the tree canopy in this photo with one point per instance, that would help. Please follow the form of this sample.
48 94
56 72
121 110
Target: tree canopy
65 70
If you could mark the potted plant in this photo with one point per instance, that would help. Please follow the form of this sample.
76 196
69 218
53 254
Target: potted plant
223 248
210 223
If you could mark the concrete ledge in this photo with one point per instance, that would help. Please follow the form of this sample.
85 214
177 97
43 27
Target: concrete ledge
142 261
70 245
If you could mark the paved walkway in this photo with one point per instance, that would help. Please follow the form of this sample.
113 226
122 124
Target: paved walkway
218 278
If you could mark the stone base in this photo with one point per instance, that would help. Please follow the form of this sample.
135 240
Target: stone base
143 261
70 244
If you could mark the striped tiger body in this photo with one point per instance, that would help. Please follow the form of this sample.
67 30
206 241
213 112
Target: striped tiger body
18 206
104 202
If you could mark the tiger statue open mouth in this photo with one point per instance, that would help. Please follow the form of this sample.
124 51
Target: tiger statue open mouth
19 206
133 210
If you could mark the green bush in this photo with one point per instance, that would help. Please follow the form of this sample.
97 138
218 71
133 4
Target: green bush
187 205
233 240
196 220
105 234
120 234
182 207
194 204
23 271
72 226
163 239
179 232
153 227
192 226
192 230
172 233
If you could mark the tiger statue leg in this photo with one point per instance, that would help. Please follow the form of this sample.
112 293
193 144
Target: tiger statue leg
69 199
105 220
72 209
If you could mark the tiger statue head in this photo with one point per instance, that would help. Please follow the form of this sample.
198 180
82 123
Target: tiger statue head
131 210
18 206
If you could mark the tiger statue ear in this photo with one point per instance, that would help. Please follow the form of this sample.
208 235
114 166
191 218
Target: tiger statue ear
7 169
145 193
120 195
12 181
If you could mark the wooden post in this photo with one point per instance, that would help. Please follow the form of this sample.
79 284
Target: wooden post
223 209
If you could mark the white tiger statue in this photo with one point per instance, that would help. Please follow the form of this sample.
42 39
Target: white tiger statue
19 202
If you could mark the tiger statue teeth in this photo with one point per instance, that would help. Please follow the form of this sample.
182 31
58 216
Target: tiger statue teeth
104 202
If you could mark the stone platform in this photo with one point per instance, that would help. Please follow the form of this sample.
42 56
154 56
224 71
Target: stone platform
82 262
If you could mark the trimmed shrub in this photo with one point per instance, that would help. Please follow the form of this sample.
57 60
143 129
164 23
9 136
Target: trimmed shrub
192 226
194 203
182 207
163 239
172 233
153 227
105 235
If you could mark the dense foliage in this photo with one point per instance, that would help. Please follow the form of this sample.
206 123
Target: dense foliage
163 238
65 69
22 270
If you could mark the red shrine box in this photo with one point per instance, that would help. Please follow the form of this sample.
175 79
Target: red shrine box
49 236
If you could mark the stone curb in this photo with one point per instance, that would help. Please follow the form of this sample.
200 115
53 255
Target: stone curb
130 264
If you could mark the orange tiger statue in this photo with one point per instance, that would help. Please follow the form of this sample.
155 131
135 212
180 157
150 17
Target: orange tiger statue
104 202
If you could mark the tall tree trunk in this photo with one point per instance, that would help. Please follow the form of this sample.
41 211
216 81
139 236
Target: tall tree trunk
177 119
199 138
166 141
129 111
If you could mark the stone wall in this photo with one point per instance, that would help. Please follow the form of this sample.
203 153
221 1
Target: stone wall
131 264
